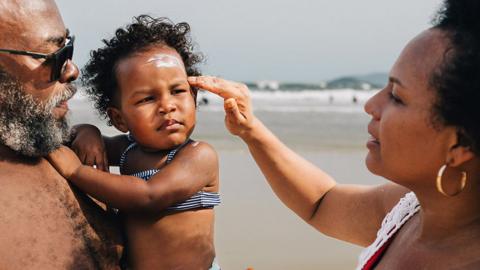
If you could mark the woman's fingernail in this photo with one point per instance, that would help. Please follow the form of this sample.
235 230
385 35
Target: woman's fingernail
192 79
229 103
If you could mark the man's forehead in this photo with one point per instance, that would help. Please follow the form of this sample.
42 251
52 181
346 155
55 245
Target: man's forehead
27 21
22 8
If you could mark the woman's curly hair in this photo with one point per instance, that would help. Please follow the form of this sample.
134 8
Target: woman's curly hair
99 75
457 79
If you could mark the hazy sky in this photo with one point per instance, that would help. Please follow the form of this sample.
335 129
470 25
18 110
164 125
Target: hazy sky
301 40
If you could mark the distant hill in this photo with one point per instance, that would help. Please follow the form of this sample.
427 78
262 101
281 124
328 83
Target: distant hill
360 82
378 78
350 83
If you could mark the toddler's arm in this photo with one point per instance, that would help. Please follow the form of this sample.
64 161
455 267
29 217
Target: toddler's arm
194 168
89 146
94 149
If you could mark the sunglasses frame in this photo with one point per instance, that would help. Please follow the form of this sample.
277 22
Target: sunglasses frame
57 59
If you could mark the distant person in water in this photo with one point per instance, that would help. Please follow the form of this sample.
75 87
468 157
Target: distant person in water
169 183
203 101
424 138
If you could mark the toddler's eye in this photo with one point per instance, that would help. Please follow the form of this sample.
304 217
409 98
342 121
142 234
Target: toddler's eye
144 100
178 91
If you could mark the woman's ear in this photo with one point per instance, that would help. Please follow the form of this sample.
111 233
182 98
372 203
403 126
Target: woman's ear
459 155
117 119
460 151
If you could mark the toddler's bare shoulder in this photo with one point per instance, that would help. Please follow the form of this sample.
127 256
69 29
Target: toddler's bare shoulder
201 151
201 147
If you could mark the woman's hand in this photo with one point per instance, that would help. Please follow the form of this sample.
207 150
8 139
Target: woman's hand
239 118
65 161
89 146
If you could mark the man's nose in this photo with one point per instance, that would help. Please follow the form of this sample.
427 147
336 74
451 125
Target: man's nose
70 72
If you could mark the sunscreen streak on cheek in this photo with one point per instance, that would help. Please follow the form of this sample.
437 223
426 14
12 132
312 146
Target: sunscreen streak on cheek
165 61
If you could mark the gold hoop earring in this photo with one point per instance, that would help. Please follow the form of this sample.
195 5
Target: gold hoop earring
463 182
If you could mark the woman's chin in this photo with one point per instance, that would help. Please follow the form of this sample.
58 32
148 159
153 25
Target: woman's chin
372 164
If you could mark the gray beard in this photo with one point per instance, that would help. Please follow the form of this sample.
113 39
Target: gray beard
28 126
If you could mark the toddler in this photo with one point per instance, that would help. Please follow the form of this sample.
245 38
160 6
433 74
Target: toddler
169 183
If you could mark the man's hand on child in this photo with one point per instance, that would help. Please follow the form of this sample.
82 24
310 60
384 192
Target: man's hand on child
89 146
65 161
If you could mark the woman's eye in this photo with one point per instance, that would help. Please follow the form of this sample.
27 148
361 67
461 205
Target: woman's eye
394 98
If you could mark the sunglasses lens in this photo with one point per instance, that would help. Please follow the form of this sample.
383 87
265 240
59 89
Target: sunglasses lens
60 58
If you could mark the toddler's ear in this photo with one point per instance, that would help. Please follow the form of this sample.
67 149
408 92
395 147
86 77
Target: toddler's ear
117 119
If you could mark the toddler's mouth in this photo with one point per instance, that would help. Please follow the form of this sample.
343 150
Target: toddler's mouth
169 124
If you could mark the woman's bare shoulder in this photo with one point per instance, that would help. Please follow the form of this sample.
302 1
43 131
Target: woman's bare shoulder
389 195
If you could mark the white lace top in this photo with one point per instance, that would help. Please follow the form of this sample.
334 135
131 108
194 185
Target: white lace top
393 221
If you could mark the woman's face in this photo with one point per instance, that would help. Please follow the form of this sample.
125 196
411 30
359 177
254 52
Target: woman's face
404 145
156 102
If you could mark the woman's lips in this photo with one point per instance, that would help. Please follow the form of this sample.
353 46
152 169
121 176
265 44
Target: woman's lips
372 142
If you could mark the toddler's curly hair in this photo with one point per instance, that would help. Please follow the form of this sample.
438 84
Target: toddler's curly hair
99 76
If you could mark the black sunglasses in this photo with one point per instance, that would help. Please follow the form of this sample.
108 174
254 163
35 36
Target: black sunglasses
56 60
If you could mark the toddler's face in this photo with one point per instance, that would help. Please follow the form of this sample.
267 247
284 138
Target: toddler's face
156 101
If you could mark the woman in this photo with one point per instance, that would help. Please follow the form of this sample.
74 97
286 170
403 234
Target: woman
424 139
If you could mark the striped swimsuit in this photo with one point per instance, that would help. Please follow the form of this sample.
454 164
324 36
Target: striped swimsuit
201 199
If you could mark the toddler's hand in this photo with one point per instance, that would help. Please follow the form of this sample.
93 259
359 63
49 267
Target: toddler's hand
65 161
89 146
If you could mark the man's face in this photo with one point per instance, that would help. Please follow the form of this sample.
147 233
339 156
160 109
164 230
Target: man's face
28 126
31 105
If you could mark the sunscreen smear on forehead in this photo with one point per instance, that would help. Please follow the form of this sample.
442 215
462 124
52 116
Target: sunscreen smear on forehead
165 61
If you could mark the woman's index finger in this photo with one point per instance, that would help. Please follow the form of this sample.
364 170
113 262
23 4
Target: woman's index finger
215 85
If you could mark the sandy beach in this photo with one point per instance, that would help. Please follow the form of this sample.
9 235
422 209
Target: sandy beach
253 228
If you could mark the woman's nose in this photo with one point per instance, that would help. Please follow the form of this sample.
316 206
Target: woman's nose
372 106
69 72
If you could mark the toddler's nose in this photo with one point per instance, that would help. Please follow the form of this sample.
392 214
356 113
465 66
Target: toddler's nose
166 106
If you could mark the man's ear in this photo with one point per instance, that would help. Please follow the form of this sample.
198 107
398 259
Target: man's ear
117 119
460 151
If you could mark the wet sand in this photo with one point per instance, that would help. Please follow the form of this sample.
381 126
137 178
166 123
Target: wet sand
255 229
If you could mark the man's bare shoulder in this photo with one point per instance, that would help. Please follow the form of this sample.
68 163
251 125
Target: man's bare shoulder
49 224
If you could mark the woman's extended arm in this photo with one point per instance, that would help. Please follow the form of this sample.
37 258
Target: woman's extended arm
193 168
347 212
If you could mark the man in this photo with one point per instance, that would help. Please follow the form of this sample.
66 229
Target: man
44 222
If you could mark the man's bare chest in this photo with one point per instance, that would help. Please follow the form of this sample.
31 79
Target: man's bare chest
47 223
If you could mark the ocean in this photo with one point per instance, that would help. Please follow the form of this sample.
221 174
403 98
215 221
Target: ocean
253 228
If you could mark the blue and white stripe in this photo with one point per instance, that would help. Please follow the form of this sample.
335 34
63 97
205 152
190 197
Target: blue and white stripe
145 175
200 199
123 157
